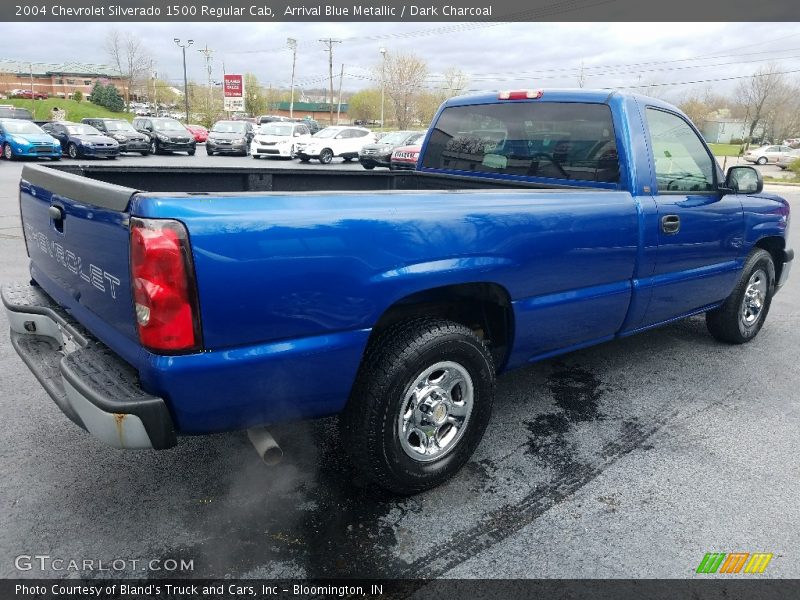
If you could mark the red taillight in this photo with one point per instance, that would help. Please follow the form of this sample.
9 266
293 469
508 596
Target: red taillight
520 95
164 292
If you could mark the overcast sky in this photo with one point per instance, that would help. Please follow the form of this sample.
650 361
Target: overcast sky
494 55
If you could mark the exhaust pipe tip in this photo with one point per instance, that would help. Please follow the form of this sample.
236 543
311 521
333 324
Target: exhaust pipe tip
265 445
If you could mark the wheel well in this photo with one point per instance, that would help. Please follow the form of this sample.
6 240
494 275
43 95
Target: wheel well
774 245
483 307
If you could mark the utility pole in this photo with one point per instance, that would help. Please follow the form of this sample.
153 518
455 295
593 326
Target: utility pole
208 54
292 43
383 82
33 95
154 75
581 77
339 108
329 43
185 80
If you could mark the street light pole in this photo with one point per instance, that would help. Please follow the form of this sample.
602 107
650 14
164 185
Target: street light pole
185 81
292 43
383 81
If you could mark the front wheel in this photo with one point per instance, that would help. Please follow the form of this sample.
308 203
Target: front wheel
8 152
326 156
190 152
420 405
153 147
72 151
742 315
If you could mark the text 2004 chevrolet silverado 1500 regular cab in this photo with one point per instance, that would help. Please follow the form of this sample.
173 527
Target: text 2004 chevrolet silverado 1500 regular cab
188 301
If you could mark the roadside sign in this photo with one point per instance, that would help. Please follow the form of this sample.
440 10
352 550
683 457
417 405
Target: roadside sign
234 93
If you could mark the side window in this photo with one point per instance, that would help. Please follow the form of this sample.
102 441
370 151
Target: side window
682 163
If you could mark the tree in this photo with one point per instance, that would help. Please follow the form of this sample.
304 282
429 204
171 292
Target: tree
77 96
129 57
758 94
206 103
98 94
427 103
365 105
404 76
254 101
113 101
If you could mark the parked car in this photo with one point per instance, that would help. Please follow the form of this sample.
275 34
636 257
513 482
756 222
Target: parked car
312 124
334 141
8 111
270 119
166 135
278 139
199 132
405 158
283 295
80 140
230 137
123 132
767 154
20 137
379 153
28 94
788 159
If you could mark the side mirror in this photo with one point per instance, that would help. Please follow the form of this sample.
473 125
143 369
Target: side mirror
744 180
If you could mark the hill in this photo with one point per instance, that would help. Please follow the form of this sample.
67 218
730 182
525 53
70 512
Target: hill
75 110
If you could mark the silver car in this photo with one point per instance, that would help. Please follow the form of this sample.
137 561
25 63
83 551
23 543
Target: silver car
788 159
767 154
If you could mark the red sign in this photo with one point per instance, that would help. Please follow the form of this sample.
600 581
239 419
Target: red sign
234 86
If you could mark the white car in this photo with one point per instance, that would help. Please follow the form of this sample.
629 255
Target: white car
335 141
767 154
279 138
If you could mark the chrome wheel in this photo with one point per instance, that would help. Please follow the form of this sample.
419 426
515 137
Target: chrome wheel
755 296
7 152
72 150
435 411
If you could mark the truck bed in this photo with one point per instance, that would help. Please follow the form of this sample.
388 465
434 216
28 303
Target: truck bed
256 179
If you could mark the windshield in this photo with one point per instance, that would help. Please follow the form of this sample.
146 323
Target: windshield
328 132
119 126
276 129
229 127
21 127
395 138
168 126
82 130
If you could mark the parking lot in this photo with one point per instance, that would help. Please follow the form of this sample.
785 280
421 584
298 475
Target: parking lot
630 459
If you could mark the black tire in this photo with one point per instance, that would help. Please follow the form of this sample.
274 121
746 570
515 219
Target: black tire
256 156
154 147
762 160
191 152
145 152
55 157
392 363
347 158
8 152
304 159
209 152
368 167
731 322
72 151
326 156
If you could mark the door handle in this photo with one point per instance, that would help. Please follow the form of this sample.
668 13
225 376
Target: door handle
670 224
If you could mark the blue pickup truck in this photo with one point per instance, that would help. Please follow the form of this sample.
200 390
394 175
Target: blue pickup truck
183 301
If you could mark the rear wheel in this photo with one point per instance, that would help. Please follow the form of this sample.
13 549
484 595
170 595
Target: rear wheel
144 152
326 156
8 152
304 159
368 167
420 405
191 152
762 160
742 315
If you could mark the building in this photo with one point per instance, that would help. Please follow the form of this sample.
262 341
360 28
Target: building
720 130
319 111
59 80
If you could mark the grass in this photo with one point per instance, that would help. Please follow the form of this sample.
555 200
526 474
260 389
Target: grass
75 110
725 149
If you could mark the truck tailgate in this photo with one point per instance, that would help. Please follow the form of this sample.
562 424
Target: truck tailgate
77 236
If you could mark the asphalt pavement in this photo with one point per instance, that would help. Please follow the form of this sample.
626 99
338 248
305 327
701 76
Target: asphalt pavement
629 459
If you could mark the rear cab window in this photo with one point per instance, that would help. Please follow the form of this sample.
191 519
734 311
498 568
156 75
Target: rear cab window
556 140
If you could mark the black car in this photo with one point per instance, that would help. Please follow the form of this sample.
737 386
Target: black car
166 135
379 154
127 137
230 137
79 140
312 125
